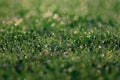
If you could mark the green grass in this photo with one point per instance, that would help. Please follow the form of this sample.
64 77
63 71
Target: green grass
60 40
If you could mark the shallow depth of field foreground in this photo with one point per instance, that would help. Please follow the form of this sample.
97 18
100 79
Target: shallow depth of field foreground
59 39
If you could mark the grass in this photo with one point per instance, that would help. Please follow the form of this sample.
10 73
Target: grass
59 40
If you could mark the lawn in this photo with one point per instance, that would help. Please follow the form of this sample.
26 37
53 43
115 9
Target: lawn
59 40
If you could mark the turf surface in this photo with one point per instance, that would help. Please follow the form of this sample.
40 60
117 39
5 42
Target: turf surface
60 40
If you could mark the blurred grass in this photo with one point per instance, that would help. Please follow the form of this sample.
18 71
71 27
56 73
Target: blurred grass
60 39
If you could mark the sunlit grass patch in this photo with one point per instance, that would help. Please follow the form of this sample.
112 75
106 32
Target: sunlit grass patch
59 39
